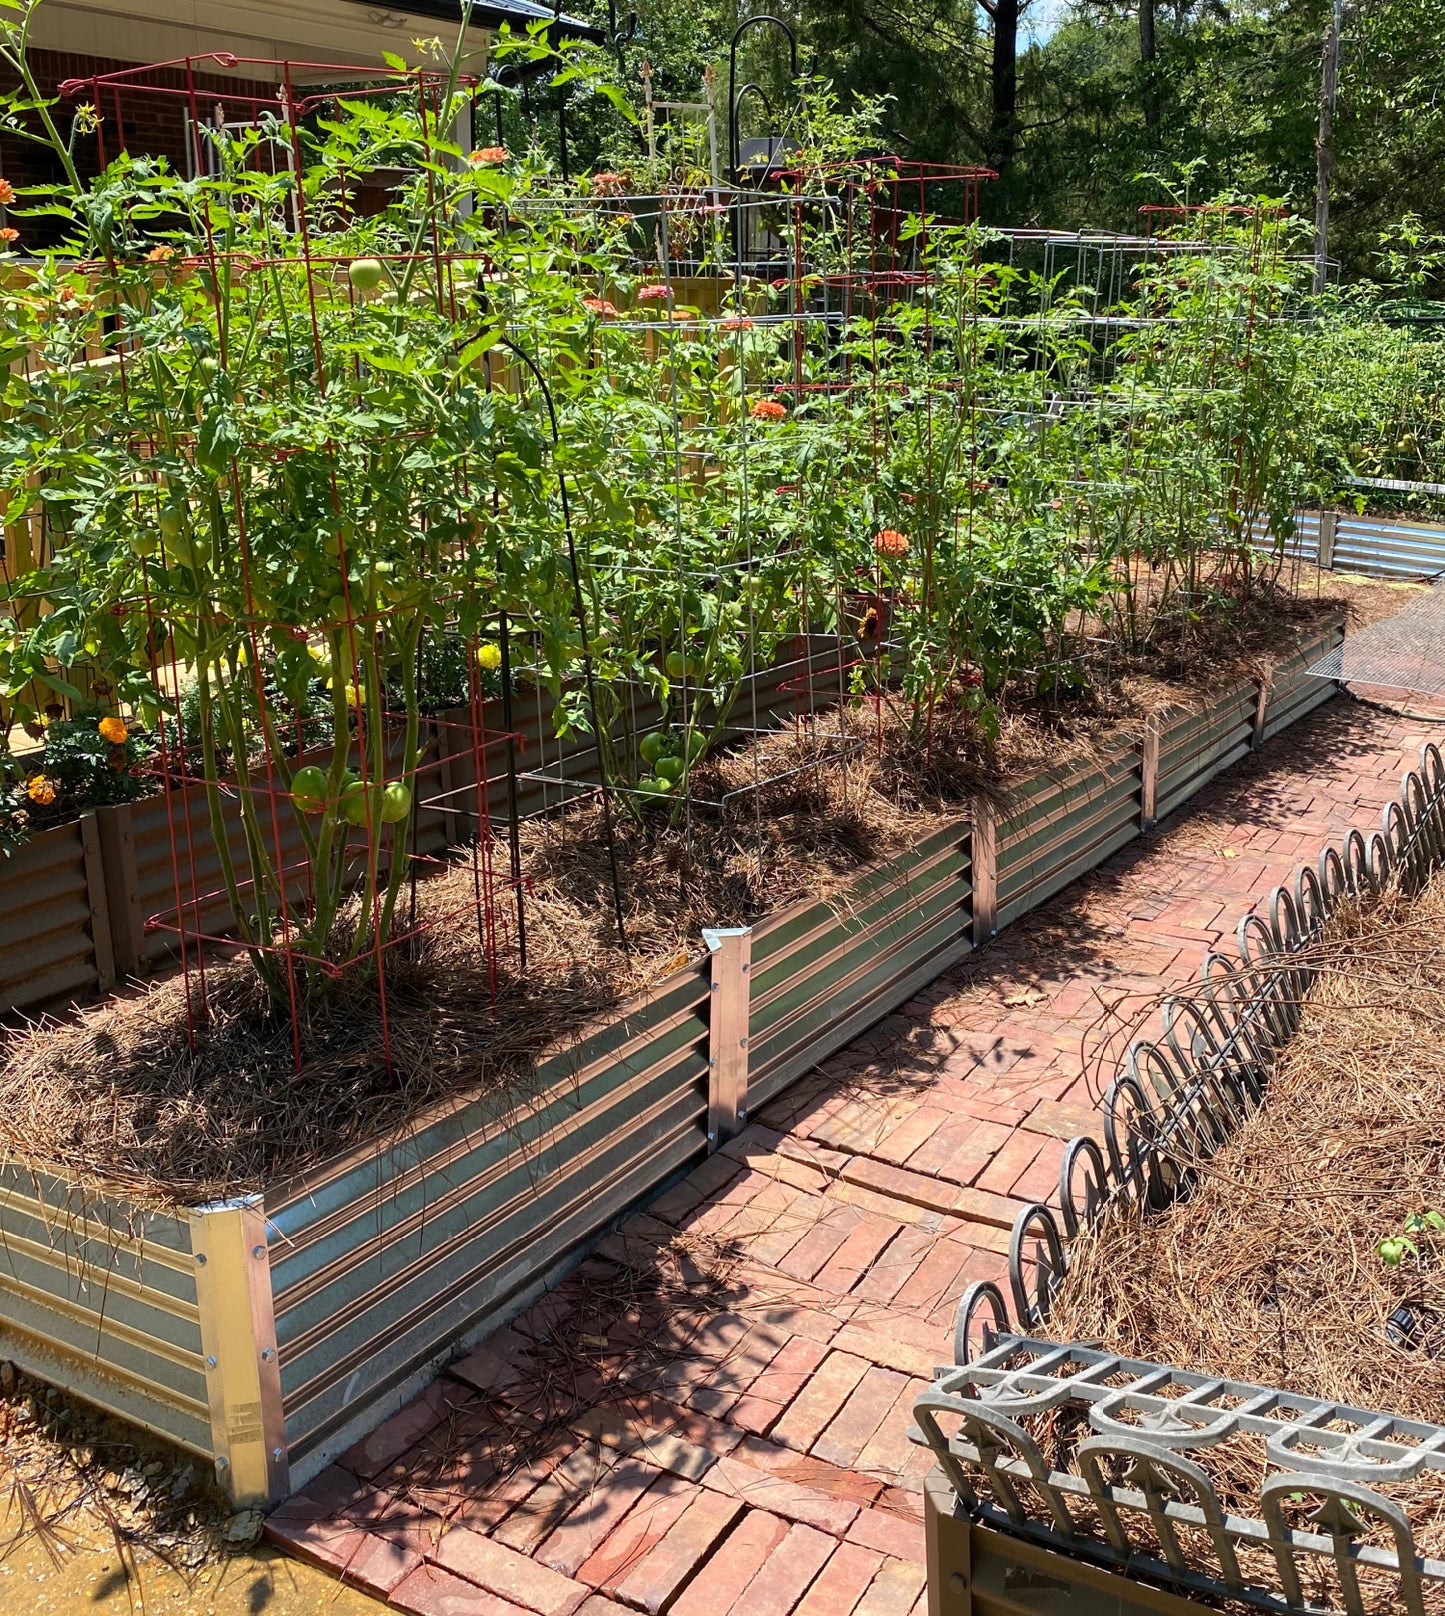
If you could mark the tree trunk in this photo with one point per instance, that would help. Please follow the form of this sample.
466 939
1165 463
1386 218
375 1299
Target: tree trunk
1147 53
1002 130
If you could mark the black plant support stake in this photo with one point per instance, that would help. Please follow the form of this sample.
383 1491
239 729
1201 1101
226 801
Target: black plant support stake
581 611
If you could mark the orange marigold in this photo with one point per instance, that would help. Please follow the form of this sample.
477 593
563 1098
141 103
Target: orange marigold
767 409
488 157
890 542
114 730
41 790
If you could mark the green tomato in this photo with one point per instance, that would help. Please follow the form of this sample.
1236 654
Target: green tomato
395 803
354 803
172 523
653 747
209 367
676 665
308 789
696 745
652 787
669 769
336 608
143 542
366 274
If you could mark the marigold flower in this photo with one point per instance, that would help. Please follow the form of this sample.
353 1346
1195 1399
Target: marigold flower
114 730
655 293
160 255
488 157
767 409
9 235
7 193
41 790
489 656
600 306
889 541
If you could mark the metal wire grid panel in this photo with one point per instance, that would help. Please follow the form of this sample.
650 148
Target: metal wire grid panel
1404 653
1005 1422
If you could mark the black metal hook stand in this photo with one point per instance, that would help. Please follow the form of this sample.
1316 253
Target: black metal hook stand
734 95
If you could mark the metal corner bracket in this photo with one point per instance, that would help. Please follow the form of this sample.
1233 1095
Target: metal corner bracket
729 1008
238 1343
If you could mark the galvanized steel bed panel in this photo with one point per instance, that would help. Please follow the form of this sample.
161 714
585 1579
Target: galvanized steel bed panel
1388 548
1196 746
102 1299
47 947
1293 690
812 992
1057 830
378 1266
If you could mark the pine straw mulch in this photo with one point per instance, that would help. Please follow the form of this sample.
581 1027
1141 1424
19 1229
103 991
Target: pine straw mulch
1268 1271
135 1095
121 1098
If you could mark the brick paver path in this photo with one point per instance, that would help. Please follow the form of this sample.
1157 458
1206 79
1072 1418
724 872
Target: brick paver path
709 1416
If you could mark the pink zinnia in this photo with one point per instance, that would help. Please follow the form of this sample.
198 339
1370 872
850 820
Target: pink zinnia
656 293
600 306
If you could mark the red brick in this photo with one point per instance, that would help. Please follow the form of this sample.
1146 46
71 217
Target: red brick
854 1425
827 1390
671 1564
1010 1163
404 1429
380 1564
794 1501
889 1533
431 1592
893 1591
325 1540
776 1387
844 1581
507 1574
584 1529
794 1565
732 1566
851 1261
641 1529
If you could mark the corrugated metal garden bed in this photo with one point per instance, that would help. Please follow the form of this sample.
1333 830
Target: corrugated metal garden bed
267 1333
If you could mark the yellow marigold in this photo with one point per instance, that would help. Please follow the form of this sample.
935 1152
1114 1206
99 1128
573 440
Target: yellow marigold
41 790
890 542
489 656
767 409
114 730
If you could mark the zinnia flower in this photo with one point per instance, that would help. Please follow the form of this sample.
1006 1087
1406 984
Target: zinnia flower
868 624
114 730
608 184
767 409
41 790
488 157
600 306
161 255
9 235
890 542
655 293
7 193
736 322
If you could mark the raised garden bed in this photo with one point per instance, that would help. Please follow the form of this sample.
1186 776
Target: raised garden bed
266 1333
1238 1399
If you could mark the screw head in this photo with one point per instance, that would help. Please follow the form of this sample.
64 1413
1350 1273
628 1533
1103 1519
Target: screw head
958 1582
267 1354
258 1252
278 1454
222 1463
211 1361
200 1259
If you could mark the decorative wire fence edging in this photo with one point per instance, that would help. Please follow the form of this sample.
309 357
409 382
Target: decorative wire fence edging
1134 1501
269 1333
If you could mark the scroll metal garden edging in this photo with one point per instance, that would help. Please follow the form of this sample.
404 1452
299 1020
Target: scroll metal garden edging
269 1332
1003 1521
